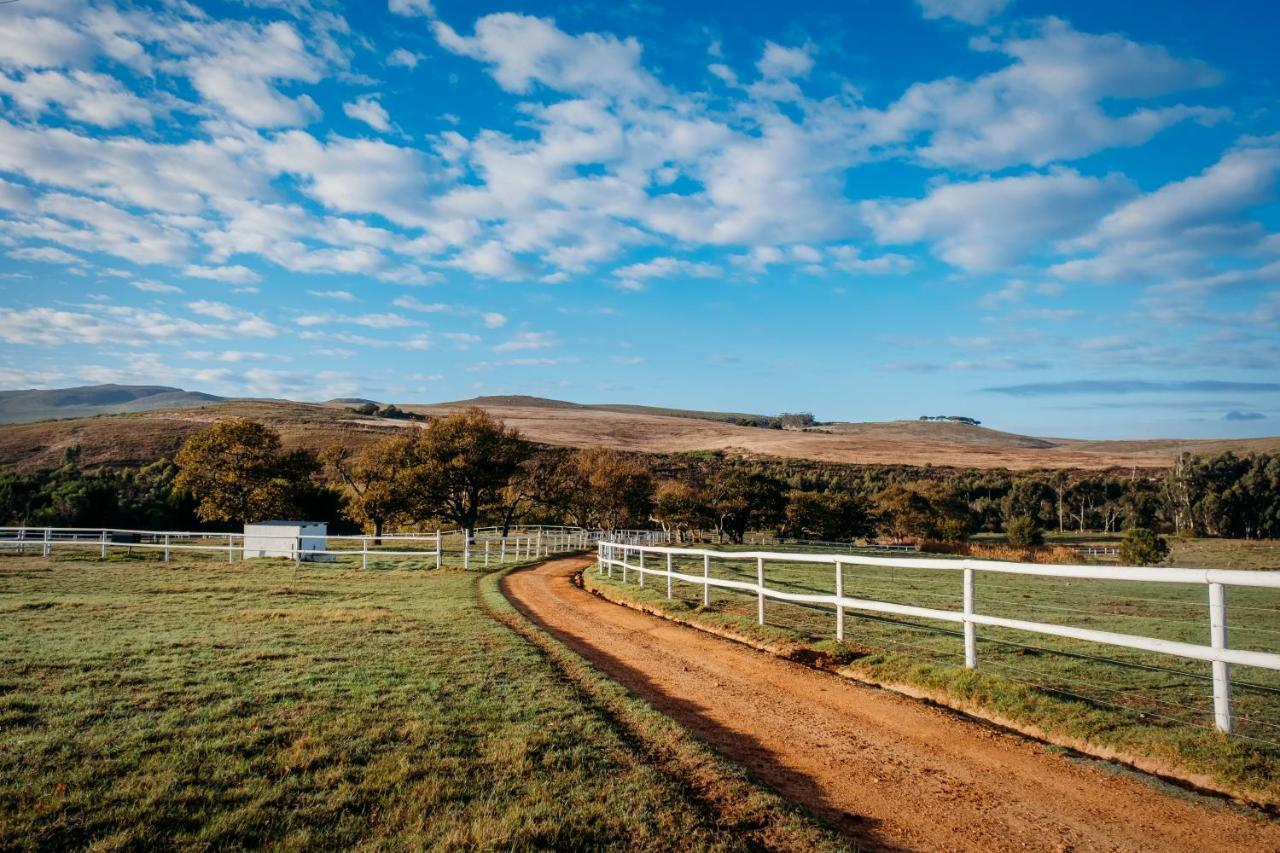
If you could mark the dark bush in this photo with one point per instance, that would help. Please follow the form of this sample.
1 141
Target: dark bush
1022 532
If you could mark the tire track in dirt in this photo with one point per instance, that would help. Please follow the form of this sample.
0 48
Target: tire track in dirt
890 772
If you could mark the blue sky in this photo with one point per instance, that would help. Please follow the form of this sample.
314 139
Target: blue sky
1059 218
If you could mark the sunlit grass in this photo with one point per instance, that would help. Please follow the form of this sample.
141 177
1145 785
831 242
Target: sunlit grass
261 704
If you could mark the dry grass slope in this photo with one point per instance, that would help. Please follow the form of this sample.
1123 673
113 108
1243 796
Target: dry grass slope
135 439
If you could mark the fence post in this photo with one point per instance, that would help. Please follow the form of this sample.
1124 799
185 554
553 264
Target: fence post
297 550
600 559
537 551
760 590
104 544
668 576
231 548
166 547
625 565
1221 670
839 606
22 540
466 551
438 555
706 580
486 553
48 537
970 634
502 549
642 568
364 552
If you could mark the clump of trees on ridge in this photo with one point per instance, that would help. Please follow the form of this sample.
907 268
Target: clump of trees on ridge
469 469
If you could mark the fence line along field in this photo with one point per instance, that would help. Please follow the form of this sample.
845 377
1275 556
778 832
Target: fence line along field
1142 701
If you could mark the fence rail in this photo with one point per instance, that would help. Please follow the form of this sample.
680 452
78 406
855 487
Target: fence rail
631 558
485 546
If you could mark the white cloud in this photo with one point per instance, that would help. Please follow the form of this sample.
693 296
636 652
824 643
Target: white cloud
47 255
988 224
1174 233
234 274
784 62
37 41
240 76
367 109
528 341
154 287
522 50
401 58
411 8
339 295
966 11
633 276
411 304
493 320
1048 104
123 325
83 96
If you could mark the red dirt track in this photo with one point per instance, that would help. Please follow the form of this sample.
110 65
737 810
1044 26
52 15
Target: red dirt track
890 772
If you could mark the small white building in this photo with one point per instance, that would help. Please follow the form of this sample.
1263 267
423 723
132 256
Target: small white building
303 539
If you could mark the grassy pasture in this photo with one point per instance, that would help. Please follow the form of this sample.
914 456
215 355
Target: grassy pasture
1140 702
200 704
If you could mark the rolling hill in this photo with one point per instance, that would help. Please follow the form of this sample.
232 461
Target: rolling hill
139 437
36 405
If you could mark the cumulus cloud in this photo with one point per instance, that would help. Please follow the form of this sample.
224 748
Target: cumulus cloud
778 61
1048 104
401 58
1175 233
522 50
233 274
125 325
367 109
633 276
83 96
411 8
986 225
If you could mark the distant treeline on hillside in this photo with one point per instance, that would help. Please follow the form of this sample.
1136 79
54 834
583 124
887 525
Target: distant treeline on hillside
960 419
1226 495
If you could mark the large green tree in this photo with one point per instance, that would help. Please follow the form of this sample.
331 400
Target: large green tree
377 480
238 473
463 464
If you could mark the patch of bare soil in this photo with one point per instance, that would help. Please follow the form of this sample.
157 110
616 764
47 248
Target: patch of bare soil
890 772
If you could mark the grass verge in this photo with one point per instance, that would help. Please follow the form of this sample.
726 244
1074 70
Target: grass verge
1205 759
246 706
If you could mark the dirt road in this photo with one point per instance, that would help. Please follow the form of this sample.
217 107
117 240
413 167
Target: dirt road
891 772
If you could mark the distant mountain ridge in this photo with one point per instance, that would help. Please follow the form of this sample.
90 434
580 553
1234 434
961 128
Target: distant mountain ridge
33 404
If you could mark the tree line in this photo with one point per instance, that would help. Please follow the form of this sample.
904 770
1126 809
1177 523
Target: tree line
469 469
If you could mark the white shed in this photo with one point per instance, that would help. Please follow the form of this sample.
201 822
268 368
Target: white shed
285 539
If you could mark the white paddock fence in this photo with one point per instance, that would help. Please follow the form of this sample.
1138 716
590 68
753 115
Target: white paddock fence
486 546
631 558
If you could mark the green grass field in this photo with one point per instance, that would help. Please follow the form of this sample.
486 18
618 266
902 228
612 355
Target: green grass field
199 704
1147 704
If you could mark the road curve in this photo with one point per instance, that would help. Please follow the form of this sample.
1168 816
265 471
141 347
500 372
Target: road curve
891 772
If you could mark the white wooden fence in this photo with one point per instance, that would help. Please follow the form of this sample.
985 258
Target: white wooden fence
486 546
631 558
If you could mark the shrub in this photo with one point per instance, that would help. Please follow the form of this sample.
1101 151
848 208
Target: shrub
1022 532
1142 547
